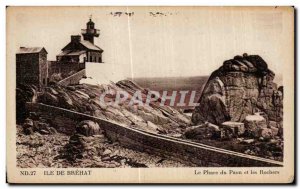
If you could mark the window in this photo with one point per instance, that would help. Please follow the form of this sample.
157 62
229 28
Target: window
91 59
100 59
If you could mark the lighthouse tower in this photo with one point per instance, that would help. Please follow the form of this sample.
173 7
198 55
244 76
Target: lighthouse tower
90 32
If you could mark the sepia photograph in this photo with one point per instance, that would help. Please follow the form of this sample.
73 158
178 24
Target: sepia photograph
150 94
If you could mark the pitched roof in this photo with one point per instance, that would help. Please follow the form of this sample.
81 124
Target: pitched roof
71 53
28 50
90 45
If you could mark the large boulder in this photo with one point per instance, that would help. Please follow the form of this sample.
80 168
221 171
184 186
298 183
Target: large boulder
254 124
236 128
88 128
241 86
204 131
266 133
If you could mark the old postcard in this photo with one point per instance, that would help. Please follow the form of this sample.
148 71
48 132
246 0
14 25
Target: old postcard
150 94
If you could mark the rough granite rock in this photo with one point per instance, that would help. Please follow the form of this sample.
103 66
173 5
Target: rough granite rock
204 131
86 99
88 128
254 124
241 86
24 93
235 127
266 133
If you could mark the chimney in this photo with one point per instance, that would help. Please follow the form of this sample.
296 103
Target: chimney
75 38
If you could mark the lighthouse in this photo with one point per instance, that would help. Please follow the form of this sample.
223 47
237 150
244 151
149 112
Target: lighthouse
90 32
78 51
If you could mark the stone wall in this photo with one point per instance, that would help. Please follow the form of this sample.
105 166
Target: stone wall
73 79
68 68
43 75
52 68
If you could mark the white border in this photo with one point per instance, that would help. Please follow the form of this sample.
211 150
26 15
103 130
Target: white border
5 3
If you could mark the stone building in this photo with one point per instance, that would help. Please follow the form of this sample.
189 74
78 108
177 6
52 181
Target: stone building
79 51
31 66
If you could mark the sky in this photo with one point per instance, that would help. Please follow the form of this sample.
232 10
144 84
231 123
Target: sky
177 42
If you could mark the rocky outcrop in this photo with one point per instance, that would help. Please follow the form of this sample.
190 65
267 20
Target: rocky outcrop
86 99
34 124
24 93
242 86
